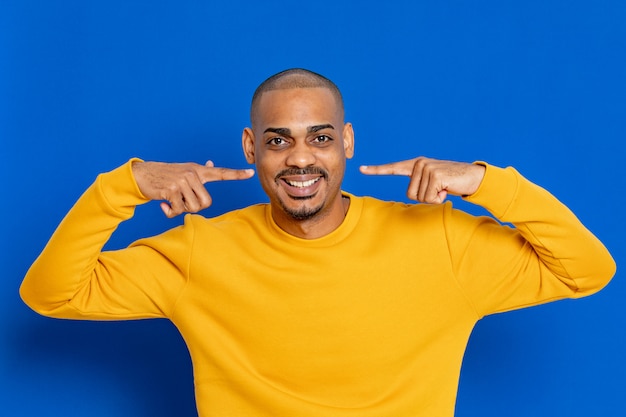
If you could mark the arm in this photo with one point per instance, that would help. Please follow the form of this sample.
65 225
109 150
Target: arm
549 255
73 278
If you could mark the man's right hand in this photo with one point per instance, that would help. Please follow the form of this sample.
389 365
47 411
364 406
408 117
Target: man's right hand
181 186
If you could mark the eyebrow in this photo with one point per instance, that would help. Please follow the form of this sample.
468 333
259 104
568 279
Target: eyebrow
317 128
287 132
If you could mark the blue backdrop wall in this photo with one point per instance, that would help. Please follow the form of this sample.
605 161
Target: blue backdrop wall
85 85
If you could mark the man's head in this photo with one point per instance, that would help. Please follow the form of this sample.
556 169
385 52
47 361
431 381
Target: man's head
294 78
299 143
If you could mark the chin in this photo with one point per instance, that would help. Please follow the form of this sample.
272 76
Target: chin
302 213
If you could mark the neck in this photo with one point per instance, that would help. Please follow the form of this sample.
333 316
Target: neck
321 224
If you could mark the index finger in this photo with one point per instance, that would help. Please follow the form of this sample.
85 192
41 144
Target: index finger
394 168
210 174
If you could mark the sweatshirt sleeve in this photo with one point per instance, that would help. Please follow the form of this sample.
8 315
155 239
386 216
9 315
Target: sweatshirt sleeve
547 255
73 278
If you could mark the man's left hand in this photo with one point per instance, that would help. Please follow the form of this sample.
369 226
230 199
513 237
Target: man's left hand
432 179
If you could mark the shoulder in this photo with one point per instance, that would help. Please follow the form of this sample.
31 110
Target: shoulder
376 207
251 216
397 216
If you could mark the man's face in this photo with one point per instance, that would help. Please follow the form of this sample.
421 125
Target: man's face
300 143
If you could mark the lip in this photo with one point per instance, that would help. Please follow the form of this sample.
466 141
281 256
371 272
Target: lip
301 186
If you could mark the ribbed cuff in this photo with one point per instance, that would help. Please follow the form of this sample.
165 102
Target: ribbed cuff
497 191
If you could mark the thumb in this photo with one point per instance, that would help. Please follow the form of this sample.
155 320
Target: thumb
167 209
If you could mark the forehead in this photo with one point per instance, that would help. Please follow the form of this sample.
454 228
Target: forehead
296 105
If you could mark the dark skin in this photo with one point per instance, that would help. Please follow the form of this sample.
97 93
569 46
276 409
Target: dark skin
300 129
180 187
431 180
300 143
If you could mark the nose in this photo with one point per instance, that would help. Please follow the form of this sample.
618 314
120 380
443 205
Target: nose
300 156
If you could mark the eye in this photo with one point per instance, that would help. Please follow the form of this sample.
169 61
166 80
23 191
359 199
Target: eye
276 141
322 139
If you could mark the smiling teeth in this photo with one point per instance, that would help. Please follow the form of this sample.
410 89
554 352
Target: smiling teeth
302 184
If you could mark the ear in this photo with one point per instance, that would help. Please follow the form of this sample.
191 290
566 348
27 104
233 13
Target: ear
348 140
247 142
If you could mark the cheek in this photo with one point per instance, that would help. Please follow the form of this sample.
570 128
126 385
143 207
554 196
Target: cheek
336 162
266 170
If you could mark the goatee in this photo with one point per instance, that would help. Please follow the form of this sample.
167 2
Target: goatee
304 213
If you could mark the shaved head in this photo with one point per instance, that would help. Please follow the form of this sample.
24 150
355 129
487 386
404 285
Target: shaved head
294 78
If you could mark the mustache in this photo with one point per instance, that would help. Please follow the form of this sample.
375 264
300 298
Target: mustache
302 171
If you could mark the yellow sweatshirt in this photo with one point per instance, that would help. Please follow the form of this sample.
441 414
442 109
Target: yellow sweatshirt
371 320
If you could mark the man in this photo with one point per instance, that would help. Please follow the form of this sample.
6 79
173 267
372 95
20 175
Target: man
320 303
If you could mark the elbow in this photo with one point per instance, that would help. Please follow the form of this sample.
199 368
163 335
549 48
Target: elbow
38 299
32 299
600 274
606 274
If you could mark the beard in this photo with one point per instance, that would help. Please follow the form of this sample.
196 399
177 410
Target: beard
303 213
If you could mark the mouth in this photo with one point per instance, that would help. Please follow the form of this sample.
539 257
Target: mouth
301 183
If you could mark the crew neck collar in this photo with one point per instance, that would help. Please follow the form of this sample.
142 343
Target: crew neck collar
341 232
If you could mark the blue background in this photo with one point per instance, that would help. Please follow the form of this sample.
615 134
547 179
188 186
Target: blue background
85 85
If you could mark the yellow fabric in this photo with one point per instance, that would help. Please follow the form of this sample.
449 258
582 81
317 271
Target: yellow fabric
370 320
